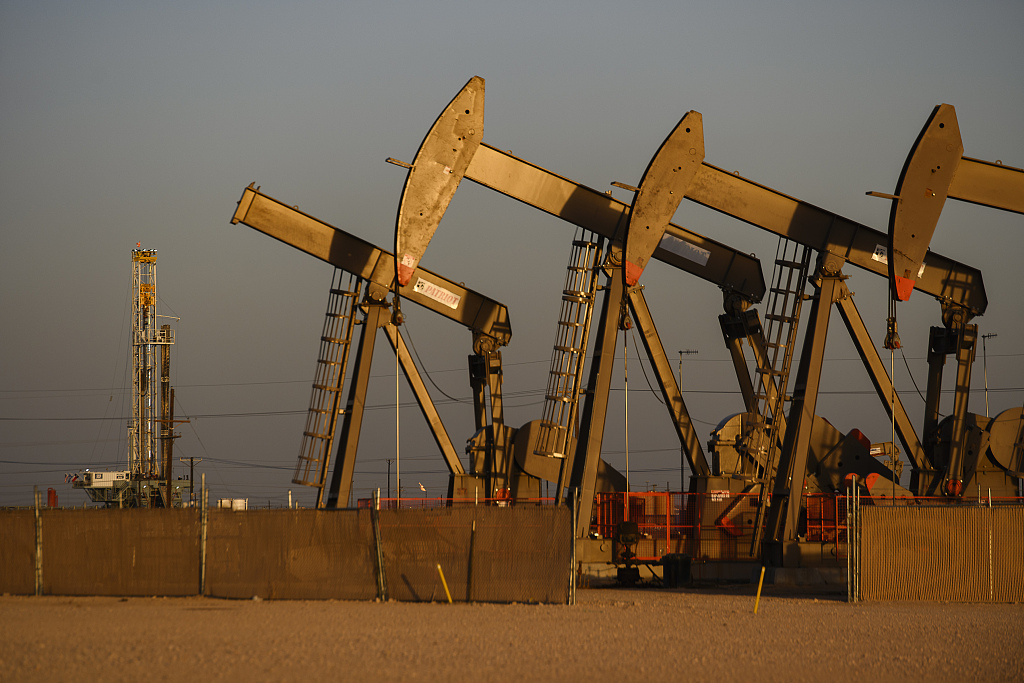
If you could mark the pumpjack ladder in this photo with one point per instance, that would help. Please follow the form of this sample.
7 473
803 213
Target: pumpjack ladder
565 376
782 317
325 404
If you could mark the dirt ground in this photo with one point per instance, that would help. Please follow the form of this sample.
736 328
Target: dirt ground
610 635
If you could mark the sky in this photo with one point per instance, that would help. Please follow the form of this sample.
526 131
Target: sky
139 122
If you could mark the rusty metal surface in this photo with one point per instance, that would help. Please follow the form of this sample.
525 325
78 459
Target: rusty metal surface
436 172
121 552
661 190
290 554
957 554
17 539
920 195
486 553
515 554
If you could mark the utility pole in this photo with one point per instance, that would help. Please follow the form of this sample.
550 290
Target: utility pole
191 476
984 358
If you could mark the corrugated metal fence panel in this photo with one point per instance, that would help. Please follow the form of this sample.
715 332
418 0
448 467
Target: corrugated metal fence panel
290 554
1008 555
526 559
487 554
120 552
18 554
958 554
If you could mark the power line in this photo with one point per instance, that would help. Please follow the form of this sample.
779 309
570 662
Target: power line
109 390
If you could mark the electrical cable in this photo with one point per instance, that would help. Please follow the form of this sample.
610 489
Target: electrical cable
419 362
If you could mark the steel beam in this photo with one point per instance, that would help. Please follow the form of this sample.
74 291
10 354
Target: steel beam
881 380
826 232
967 337
783 515
734 330
988 184
412 375
599 212
345 462
587 454
354 255
670 390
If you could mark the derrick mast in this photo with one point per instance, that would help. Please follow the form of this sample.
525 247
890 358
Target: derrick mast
142 460
147 482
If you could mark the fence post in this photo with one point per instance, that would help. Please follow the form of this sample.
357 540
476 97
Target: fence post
39 543
469 568
856 534
203 499
991 569
852 543
849 549
382 584
575 525
668 522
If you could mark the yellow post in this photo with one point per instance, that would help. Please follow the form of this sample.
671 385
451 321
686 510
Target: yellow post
445 584
761 581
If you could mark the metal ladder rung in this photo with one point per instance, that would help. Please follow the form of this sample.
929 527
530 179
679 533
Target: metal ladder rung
568 349
324 411
327 387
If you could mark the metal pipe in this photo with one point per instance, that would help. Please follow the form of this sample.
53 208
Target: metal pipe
984 363
445 584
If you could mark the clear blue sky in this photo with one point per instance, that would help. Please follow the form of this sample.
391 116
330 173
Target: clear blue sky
125 122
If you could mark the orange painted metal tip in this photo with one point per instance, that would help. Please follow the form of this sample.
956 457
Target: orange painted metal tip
633 273
904 287
404 274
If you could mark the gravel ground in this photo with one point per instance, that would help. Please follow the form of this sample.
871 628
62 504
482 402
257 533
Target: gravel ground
610 635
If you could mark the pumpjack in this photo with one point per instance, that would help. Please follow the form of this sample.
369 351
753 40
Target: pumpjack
972 450
370 278
938 464
778 454
617 243
810 451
